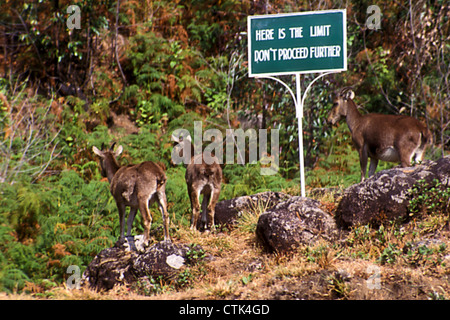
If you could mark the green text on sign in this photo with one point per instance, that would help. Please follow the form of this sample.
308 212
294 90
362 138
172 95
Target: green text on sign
304 42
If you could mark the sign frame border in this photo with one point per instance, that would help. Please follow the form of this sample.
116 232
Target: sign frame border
279 15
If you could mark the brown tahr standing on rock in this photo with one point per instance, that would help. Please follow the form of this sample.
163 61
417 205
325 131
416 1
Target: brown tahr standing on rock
394 138
135 186
203 177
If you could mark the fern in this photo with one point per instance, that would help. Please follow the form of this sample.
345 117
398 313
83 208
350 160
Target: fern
12 279
65 216
177 197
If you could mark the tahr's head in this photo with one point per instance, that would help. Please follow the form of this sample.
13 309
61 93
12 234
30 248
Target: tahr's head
340 105
107 156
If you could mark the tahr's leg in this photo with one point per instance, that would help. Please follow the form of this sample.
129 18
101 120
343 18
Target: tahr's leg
363 156
205 206
373 166
212 208
147 218
121 207
162 202
130 220
195 205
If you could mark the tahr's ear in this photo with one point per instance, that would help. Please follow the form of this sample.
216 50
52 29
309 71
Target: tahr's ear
118 151
349 95
97 152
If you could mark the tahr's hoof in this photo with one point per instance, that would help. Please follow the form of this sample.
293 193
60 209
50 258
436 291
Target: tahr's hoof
120 242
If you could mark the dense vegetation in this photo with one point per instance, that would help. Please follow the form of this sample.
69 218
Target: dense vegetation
137 70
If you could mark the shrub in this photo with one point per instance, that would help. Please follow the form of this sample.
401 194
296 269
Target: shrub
50 225
429 198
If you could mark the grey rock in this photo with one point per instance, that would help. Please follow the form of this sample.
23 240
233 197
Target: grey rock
294 222
385 196
124 265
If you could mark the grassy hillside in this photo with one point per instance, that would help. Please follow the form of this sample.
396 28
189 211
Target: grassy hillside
133 73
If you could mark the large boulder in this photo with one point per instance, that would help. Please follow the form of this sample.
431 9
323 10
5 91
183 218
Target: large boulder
293 222
129 262
385 196
227 211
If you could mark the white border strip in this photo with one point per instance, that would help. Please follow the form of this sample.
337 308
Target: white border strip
279 15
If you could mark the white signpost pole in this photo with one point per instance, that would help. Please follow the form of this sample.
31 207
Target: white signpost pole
304 42
299 102
299 113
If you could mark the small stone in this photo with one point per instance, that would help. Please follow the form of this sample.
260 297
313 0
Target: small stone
175 261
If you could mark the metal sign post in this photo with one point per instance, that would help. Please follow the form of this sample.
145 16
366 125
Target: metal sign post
305 42
299 112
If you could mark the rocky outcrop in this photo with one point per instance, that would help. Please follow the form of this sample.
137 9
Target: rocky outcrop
386 196
293 222
286 223
129 262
